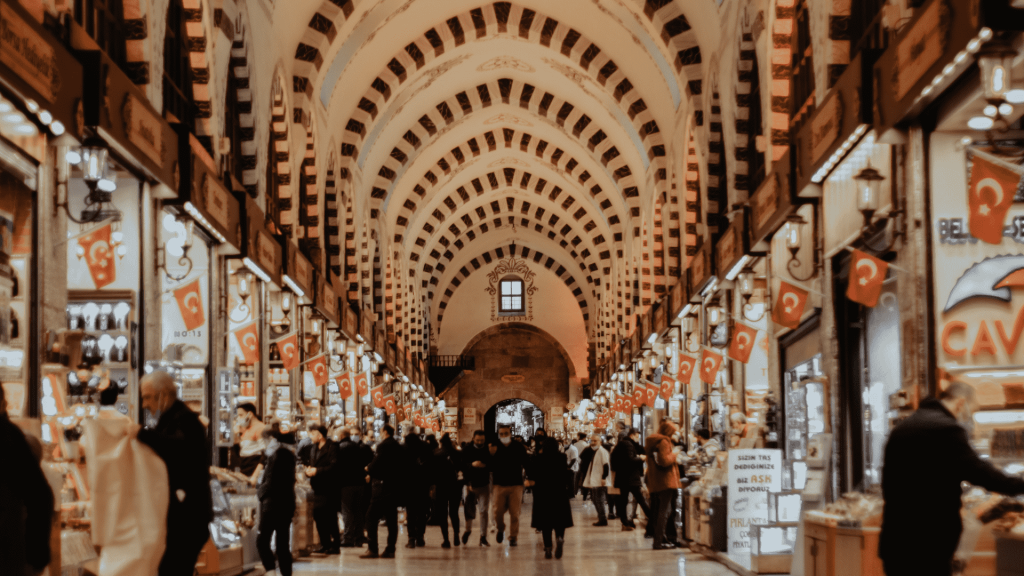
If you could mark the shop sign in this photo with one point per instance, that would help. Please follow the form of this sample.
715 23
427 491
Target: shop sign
326 299
770 203
201 187
351 322
825 126
921 47
266 250
752 474
731 246
28 54
366 327
700 269
660 317
143 128
469 416
677 297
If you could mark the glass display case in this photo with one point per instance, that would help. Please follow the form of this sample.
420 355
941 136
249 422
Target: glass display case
106 322
771 547
805 407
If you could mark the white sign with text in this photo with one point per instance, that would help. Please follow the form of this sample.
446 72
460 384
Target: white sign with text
752 474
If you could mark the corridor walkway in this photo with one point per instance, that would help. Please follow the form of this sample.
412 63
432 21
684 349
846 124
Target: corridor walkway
588 550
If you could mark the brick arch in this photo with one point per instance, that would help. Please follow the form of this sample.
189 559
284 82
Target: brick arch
429 276
475 24
746 77
281 191
781 58
333 222
718 182
679 37
693 228
502 140
311 241
510 326
240 64
500 253
555 206
464 105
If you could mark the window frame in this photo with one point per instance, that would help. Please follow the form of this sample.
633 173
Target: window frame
511 280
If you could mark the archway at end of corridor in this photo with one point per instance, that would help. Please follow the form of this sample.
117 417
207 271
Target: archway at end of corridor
523 416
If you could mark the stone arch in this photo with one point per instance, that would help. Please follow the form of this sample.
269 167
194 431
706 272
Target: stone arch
746 77
280 194
781 57
333 218
240 65
679 37
693 229
718 181
310 199
510 326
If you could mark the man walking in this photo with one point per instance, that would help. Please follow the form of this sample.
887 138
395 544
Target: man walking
353 458
477 473
417 477
927 457
581 448
179 438
323 472
276 493
385 474
596 478
662 480
507 461
628 464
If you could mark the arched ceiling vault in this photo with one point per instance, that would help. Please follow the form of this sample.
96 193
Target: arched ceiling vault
457 120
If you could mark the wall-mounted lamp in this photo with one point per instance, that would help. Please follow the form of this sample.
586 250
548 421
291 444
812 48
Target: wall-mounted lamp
746 283
869 200
793 231
176 247
995 60
689 327
98 176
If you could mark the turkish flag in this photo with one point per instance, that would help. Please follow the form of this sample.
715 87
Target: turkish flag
652 395
404 412
867 274
435 426
378 396
639 394
318 366
627 404
789 306
361 386
288 347
249 341
190 304
389 404
710 362
344 386
417 419
991 192
99 256
667 387
743 338
686 365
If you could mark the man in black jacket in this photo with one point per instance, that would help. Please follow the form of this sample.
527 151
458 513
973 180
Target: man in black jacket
179 438
385 472
276 493
927 456
477 473
628 464
353 458
507 462
322 471
26 503
418 481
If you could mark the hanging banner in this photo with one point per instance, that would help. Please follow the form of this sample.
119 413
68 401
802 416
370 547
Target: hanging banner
99 256
190 304
686 365
710 362
743 339
867 275
318 367
667 387
378 396
752 474
288 348
248 340
989 196
789 306
344 385
389 404
639 394
362 388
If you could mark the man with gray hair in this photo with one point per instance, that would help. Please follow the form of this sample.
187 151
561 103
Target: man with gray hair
927 457
179 438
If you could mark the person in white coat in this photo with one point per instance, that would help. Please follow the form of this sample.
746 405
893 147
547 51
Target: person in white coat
597 478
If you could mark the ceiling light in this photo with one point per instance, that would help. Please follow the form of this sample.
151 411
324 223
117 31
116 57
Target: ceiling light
1005 109
73 157
980 123
990 111
57 127
1015 96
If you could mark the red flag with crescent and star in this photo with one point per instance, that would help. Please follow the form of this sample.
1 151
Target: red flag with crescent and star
318 366
710 362
362 388
686 366
389 404
617 404
190 304
989 197
652 394
249 341
404 412
627 404
417 419
344 385
743 339
288 348
435 426
99 256
639 394
789 306
867 274
667 387
378 396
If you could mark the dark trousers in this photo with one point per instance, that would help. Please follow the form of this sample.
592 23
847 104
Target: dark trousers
448 504
185 540
640 501
546 533
383 505
599 495
277 526
661 508
918 566
325 514
417 508
353 513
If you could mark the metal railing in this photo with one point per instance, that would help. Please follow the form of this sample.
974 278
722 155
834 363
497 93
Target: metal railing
452 361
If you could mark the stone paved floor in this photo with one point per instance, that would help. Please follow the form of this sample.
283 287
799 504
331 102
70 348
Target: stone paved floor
589 551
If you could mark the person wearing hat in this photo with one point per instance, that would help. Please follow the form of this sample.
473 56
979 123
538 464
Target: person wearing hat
323 473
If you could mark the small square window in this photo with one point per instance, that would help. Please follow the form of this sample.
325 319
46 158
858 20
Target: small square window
511 301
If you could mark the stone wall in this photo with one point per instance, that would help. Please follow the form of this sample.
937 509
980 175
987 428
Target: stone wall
509 349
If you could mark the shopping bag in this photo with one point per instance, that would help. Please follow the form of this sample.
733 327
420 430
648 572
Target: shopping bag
130 494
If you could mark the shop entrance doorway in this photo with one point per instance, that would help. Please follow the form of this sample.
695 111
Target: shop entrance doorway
523 416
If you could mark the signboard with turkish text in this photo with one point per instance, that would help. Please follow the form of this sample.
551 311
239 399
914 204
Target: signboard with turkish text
752 474
978 285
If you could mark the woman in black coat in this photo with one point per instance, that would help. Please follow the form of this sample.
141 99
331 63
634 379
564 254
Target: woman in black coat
447 464
546 473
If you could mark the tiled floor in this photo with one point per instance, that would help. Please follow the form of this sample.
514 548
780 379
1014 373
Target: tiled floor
589 551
